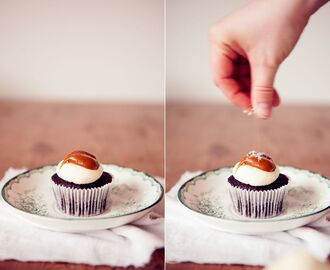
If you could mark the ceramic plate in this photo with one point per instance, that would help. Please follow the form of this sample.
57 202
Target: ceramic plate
133 194
206 195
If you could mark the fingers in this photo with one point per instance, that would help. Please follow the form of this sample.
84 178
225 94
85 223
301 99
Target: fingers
276 99
263 94
245 84
232 89
223 68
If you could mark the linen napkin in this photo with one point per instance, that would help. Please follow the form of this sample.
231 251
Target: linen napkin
131 244
189 239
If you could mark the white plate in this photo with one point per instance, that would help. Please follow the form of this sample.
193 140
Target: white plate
133 194
206 195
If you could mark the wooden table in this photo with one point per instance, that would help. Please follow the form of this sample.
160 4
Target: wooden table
206 136
199 136
36 134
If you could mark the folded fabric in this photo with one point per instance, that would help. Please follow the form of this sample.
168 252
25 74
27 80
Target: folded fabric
189 239
131 244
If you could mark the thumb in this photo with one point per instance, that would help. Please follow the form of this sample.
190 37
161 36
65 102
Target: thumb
262 93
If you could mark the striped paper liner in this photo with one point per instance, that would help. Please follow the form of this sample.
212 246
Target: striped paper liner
258 204
81 202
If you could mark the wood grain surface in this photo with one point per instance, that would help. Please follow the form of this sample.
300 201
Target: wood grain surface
199 137
192 266
207 136
37 134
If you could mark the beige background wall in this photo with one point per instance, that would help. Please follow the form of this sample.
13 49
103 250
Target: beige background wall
82 50
113 50
303 78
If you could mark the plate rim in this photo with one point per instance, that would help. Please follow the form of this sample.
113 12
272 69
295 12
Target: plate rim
73 218
247 220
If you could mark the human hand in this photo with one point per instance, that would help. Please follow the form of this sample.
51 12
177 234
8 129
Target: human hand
248 46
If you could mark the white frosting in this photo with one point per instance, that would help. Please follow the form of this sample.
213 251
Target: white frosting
78 174
254 176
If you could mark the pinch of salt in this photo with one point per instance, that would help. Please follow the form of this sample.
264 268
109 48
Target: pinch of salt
258 155
248 112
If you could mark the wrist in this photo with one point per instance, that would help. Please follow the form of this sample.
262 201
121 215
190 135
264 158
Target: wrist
305 8
297 12
311 6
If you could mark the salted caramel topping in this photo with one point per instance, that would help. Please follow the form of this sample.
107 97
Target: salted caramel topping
83 159
258 160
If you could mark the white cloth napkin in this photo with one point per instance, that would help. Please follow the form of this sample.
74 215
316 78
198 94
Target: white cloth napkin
189 239
123 246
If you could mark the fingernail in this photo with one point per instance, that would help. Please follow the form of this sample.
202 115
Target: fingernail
263 110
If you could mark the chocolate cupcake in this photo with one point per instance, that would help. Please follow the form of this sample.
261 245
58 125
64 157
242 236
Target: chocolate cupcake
80 186
257 188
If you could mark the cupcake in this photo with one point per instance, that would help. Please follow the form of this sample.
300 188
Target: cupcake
80 185
257 188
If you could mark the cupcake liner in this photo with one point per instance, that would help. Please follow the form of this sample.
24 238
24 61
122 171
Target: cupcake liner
258 204
81 202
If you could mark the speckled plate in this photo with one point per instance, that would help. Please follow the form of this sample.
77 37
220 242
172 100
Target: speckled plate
133 194
207 197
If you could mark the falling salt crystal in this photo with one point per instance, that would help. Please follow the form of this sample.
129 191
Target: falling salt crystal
248 112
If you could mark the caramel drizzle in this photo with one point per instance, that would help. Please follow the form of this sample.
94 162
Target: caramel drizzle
82 158
262 162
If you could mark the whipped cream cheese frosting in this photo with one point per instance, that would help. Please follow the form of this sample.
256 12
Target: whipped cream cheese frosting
79 167
256 169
